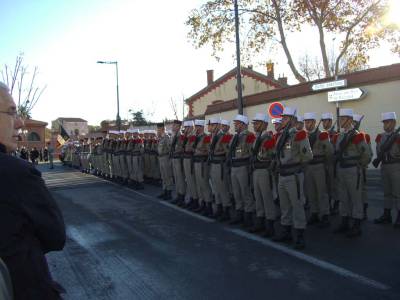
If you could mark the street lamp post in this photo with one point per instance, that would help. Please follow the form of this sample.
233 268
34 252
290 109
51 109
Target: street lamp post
238 73
118 121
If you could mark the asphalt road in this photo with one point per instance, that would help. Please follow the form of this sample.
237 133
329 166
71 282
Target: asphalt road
123 244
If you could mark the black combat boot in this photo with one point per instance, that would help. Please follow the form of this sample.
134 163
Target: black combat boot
225 216
386 218
258 226
397 222
248 220
238 218
194 204
201 207
140 186
335 208
344 226
168 195
269 229
324 223
365 211
355 230
177 200
285 235
208 210
300 242
219 212
314 219
162 195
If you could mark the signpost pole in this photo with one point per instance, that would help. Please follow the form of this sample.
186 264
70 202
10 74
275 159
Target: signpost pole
337 110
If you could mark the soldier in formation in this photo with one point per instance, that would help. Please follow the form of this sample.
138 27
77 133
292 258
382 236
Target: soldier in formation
303 167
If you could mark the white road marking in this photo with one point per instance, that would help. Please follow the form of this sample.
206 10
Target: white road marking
312 260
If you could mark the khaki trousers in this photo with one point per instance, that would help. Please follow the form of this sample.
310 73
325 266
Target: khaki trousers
350 196
137 168
146 165
219 179
332 182
202 175
291 197
191 190
166 172
391 185
180 184
315 189
123 166
155 167
241 189
263 186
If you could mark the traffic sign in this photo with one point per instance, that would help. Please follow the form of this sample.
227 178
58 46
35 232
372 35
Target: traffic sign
346 95
275 109
329 85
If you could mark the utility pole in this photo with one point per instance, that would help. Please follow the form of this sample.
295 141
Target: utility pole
238 73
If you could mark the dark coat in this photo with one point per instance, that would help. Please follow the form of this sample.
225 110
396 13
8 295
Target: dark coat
31 225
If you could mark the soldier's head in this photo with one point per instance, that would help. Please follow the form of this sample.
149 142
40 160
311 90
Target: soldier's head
10 122
214 125
160 129
241 123
289 117
176 126
225 125
260 122
199 126
357 119
299 123
345 118
277 122
310 120
187 127
327 120
389 121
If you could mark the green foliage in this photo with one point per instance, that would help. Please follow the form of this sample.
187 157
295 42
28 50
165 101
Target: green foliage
138 118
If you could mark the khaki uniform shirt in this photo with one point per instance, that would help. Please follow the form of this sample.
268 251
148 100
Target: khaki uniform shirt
297 148
356 152
164 145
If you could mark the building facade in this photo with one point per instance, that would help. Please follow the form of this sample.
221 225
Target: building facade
32 134
75 127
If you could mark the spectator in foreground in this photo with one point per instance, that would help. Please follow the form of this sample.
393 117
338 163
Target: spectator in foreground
31 223
6 292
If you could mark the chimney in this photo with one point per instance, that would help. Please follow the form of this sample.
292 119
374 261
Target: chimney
250 67
210 76
270 70
282 80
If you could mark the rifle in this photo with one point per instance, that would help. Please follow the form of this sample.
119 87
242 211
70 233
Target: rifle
232 149
332 129
346 141
283 138
385 148
313 136
212 148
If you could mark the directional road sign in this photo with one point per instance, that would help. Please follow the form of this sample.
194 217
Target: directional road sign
329 85
346 95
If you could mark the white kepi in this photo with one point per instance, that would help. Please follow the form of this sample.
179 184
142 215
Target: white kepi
241 118
388 116
346 112
199 123
261 117
310 116
327 116
225 122
357 117
289 111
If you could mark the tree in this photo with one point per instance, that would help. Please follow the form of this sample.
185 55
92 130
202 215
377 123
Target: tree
358 25
94 128
22 84
138 118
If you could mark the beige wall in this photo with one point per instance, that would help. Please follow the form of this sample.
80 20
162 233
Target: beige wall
380 98
227 91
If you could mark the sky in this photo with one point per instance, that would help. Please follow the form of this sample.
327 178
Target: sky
157 62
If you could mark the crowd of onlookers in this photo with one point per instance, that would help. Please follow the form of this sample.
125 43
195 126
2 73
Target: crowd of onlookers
34 155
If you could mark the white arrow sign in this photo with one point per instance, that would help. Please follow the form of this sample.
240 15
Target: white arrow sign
329 85
346 95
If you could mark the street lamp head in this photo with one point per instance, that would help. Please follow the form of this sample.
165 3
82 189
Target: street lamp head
100 62
107 62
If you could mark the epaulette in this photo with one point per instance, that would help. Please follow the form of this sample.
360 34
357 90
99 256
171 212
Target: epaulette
226 138
250 138
368 138
207 139
300 135
269 144
360 137
323 136
378 138
192 138
182 138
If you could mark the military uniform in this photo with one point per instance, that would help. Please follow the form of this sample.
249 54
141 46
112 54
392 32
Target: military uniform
240 150
390 172
263 183
294 153
219 176
135 150
164 148
315 177
177 148
352 155
188 168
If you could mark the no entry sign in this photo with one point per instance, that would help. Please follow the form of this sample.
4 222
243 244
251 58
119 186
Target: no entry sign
275 110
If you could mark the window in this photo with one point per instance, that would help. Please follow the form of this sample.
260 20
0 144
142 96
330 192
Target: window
33 137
